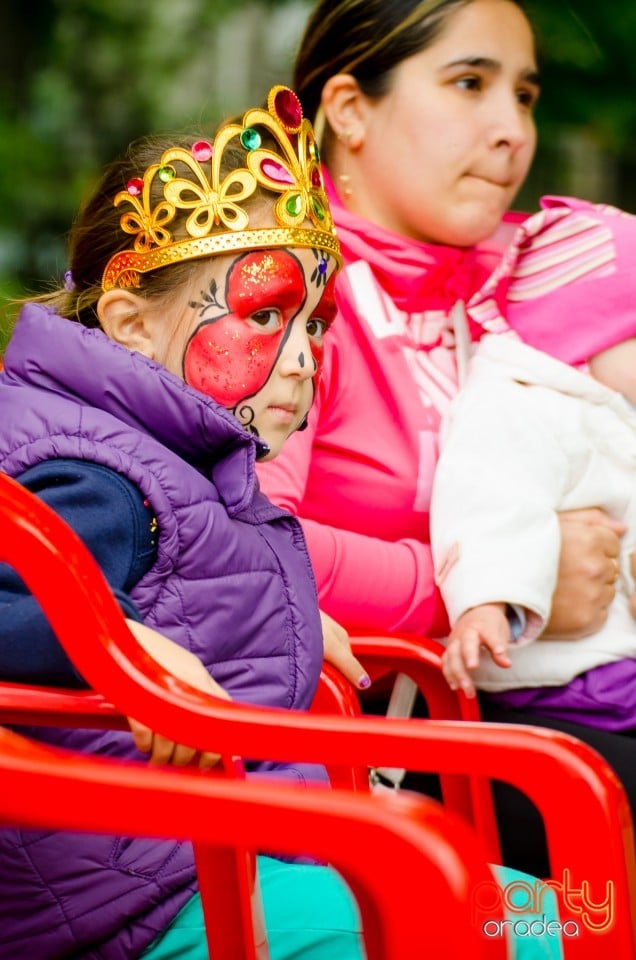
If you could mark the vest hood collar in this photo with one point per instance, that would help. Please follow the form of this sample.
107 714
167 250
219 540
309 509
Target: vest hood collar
63 357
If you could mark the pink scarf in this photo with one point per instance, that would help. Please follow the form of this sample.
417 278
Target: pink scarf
417 276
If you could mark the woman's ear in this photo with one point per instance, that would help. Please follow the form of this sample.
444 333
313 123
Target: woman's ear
124 317
343 105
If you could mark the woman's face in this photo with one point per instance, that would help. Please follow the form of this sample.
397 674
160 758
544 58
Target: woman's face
251 336
446 150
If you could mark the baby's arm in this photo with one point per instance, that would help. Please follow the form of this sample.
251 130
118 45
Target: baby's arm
483 626
615 367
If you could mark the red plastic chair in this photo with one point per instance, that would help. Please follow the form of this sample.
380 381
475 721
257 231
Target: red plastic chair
356 834
546 765
418 658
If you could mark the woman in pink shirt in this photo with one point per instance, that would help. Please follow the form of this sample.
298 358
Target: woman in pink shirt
426 112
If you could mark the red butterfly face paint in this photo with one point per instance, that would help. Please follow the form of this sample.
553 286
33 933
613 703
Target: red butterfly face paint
326 310
228 357
258 346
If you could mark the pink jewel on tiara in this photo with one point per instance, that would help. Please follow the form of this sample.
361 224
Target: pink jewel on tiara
201 151
135 186
288 108
276 171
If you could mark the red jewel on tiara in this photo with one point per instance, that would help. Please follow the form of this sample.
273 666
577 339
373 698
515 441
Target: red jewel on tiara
288 109
201 151
135 186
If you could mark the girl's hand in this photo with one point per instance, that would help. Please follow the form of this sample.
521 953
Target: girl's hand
590 544
337 651
188 668
484 626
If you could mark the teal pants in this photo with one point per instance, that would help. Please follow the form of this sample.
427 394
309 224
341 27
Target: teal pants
310 914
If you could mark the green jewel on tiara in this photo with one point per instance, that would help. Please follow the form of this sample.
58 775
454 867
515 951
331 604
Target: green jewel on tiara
218 222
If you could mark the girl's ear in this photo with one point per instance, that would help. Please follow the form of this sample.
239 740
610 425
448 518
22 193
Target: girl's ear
124 318
344 106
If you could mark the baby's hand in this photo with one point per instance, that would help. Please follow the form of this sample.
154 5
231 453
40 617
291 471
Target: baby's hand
483 626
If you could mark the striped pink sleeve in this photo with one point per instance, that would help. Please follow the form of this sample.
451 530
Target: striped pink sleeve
567 283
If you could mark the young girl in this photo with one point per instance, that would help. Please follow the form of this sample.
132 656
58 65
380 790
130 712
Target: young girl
187 344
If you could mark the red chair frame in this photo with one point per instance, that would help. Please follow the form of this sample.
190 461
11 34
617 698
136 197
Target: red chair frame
545 765
420 659
354 833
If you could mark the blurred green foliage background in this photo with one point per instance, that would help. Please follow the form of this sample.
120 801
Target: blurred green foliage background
80 78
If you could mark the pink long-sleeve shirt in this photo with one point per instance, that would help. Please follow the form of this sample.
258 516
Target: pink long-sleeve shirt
360 476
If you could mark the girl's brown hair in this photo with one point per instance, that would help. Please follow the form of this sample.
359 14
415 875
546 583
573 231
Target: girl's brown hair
96 234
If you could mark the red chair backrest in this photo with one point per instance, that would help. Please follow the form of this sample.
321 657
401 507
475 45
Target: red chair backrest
420 659
546 765
424 900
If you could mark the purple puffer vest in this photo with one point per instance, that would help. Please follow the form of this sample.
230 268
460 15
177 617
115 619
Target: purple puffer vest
223 547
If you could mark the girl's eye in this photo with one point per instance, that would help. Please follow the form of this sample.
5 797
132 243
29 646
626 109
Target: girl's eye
269 320
317 328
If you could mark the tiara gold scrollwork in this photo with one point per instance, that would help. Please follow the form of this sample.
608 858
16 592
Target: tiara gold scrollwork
286 163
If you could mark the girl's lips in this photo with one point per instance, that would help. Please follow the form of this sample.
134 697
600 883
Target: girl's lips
285 413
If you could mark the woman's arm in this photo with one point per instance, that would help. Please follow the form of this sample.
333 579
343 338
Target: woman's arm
366 582
363 581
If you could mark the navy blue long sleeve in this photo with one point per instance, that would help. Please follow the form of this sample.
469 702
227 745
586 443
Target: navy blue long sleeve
109 514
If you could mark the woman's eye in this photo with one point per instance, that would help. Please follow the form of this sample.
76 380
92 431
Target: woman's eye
317 328
527 98
267 319
469 83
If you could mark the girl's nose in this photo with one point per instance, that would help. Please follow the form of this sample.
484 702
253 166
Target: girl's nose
296 359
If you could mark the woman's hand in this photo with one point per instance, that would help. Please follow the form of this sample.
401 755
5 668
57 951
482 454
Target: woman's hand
186 667
632 599
337 651
588 571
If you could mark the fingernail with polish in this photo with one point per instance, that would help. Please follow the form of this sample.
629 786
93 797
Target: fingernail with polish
364 681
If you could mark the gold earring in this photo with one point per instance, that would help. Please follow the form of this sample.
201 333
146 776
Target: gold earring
343 178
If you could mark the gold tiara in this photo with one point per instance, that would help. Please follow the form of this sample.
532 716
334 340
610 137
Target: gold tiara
218 222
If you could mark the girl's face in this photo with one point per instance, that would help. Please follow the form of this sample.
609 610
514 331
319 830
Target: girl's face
251 336
446 150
